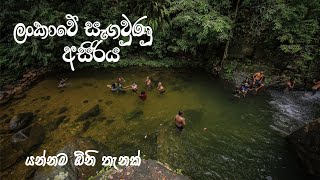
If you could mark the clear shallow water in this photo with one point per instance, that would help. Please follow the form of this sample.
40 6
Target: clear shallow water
239 143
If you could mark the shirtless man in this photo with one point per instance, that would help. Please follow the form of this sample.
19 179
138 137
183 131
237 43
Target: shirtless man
160 88
148 82
180 121
134 87
258 79
316 87
121 80
290 85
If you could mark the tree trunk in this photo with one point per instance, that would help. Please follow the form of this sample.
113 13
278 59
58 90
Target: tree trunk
225 54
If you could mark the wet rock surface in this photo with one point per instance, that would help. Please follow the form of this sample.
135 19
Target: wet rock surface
17 90
306 143
62 110
54 124
135 114
70 171
15 147
149 169
94 111
20 120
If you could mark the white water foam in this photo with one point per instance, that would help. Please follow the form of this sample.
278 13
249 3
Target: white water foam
293 110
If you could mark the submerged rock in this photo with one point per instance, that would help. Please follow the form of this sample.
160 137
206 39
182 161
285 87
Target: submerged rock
149 169
306 142
20 144
108 102
193 114
135 114
20 121
45 97
85 101
54 124
94 111
62 110
4 118
28 137
70 171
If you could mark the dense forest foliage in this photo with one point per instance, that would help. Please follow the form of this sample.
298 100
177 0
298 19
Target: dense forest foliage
283 34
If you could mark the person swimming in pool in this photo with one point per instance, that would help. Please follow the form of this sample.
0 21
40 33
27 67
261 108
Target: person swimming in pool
120 88
143 95
180 120
113 87
148 82
63 83
133 87
160 88
258 79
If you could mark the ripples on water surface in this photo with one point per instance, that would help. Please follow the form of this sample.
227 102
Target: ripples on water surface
240 141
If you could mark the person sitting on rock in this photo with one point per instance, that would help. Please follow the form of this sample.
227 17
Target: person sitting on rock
143 95
148 82
258 79
245 87
289 85
63 83
160 88
316 87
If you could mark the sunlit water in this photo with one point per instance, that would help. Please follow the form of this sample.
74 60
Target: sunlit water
243 139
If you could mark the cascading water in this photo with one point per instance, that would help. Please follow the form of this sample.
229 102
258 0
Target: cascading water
293 110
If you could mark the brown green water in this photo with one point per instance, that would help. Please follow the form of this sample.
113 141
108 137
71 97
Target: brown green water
238 142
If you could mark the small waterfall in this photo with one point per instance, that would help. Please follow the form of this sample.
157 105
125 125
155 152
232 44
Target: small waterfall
293 110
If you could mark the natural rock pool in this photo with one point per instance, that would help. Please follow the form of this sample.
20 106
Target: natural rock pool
243 139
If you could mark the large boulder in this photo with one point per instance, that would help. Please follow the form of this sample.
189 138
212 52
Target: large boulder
20 121
70 171
306 142
14 147
136 114
148 169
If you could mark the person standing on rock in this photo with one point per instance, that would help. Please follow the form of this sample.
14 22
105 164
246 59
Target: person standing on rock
180 121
